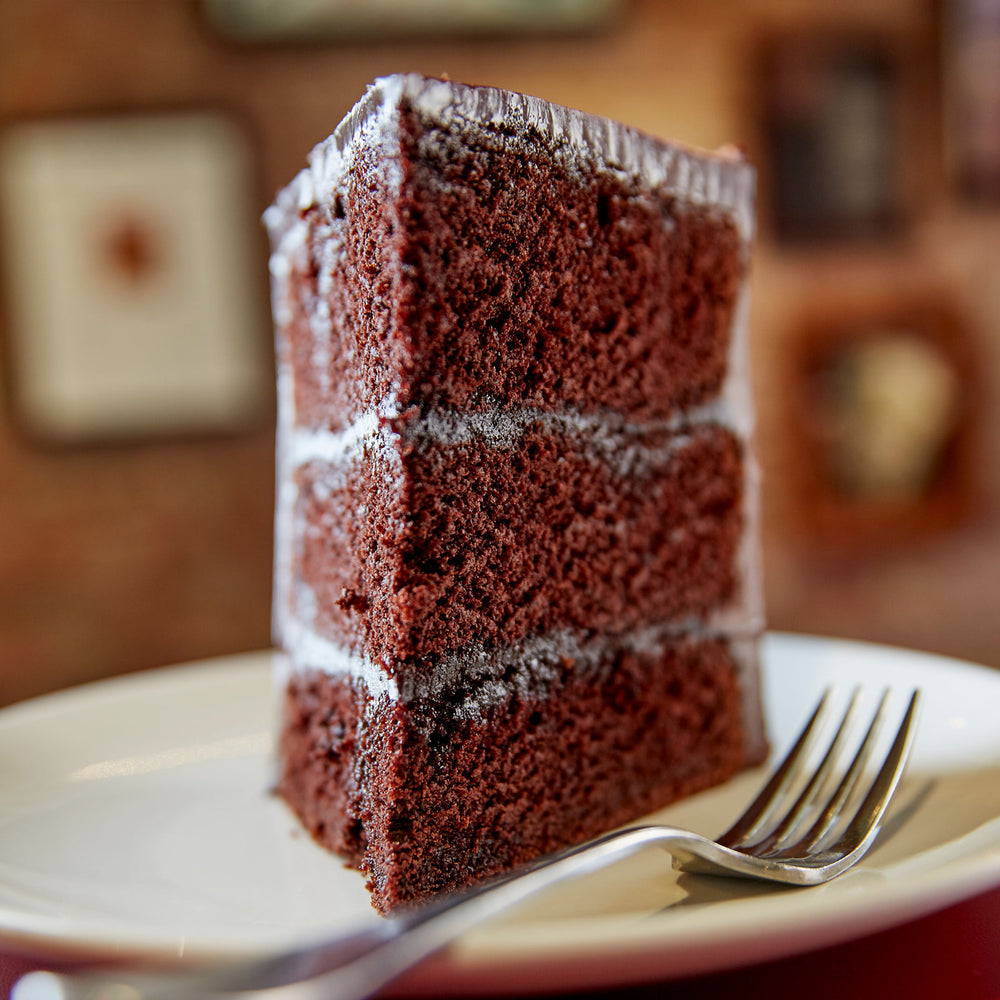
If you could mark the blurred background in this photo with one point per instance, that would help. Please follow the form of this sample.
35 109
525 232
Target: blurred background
140 142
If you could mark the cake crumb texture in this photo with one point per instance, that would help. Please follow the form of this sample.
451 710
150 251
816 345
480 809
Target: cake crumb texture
516 571
448 796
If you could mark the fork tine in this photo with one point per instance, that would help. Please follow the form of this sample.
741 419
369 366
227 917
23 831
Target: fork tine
758 812
834 808
786 826
863 827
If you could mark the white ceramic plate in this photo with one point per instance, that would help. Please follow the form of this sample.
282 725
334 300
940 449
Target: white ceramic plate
135 816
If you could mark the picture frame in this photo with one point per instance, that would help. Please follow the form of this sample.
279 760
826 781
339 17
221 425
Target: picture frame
971 82
883 418
832 130
263 22
131 260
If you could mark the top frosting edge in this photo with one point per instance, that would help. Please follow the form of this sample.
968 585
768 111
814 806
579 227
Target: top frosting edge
722 180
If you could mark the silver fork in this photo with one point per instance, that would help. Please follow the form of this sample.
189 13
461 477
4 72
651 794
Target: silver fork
807 843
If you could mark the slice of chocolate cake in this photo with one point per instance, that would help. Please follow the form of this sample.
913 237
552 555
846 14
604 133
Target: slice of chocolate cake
516 573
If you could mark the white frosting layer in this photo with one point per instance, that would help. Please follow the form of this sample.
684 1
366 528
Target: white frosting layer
529 669
503 427
527 666
313 652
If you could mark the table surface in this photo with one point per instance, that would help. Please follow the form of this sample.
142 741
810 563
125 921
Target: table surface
953 953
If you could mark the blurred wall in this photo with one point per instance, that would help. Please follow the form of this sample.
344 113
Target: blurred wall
122 556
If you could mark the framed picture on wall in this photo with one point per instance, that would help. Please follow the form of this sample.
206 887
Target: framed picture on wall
132 293
831 130
264 21
883 406
971 33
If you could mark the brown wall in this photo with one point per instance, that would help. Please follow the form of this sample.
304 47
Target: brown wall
121 557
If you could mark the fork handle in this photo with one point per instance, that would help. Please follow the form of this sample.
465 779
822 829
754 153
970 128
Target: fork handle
354 967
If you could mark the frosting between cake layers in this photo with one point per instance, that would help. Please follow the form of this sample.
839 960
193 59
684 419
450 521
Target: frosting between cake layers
529 666
502 427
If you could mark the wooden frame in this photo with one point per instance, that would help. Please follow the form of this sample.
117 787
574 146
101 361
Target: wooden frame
339 21
914 410
832 130
971 71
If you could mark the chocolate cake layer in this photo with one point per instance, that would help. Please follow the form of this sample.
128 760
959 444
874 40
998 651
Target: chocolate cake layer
445 795
469 540
455 263
319 754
